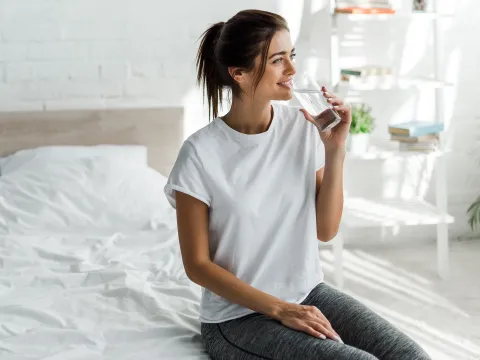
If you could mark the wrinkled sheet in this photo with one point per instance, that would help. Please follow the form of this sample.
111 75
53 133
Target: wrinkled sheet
72 296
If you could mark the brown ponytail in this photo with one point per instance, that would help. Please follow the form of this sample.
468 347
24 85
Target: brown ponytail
207 68
235 43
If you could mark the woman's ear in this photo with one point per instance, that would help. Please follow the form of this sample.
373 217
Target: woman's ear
237 74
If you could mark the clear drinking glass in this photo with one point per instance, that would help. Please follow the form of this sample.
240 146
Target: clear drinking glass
310 95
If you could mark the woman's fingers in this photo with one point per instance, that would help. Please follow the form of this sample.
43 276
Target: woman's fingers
309 319
323 329
311 331
338 103
325 320
328 326
335 101
328 94
342 108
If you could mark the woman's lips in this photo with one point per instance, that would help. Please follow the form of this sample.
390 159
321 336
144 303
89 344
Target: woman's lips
288 84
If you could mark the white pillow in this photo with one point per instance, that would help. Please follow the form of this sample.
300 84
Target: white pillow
135 154
82 195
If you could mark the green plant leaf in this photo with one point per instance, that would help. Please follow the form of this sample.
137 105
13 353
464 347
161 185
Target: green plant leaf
473 212
362 119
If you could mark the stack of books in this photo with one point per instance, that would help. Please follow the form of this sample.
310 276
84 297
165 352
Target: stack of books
416 135
364 7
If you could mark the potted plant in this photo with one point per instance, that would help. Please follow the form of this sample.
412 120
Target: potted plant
361 127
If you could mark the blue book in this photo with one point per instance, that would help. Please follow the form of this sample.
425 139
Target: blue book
416 128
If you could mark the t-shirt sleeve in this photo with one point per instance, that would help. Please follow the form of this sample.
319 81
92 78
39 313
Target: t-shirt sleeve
319 152
187 176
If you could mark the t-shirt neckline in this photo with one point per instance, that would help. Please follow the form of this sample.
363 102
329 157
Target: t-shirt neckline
250 137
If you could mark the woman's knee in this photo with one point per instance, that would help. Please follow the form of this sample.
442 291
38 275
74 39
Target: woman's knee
410 351
401 347
364 356
328 349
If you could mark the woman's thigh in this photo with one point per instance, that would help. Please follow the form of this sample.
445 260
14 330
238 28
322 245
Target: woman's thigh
362 328
256 336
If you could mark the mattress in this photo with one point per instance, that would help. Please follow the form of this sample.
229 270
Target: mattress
123 296
90 263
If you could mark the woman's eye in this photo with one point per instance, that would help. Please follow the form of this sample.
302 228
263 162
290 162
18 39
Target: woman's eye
292 56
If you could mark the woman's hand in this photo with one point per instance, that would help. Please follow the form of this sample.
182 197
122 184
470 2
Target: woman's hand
337 136
308 319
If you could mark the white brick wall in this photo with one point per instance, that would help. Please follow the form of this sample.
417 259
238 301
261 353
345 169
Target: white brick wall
58 54
108 53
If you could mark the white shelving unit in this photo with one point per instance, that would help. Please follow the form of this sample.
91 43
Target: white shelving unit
364 212
389 82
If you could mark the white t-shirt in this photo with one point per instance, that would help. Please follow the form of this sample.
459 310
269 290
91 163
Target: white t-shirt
260 189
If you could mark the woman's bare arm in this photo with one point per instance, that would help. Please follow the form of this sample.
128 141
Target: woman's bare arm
192 221
329 200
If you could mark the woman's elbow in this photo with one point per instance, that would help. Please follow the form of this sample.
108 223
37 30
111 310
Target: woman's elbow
195 271
326 235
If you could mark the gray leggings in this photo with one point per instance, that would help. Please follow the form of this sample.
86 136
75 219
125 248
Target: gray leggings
367 336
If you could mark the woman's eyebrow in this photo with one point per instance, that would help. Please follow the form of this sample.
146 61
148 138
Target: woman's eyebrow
281 53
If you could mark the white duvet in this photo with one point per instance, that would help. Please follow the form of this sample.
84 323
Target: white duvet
85 276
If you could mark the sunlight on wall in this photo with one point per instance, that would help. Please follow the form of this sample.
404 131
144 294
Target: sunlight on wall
451 75
405 111
352 37
420 170
311 65
425 107
318 5
292 12
418 34
452 7
408 178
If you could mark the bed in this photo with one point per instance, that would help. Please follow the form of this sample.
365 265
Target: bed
90 266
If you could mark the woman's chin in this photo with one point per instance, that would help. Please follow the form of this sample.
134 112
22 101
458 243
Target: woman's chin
284 96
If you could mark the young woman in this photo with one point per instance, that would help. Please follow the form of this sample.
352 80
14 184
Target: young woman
254 191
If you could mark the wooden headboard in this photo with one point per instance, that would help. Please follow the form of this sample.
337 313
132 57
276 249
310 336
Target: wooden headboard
160 129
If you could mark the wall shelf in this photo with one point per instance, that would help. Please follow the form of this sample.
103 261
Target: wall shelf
363 212
389 82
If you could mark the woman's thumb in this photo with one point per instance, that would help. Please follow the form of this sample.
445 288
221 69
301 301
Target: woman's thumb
308 116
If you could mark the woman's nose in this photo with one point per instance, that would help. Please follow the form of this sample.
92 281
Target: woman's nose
291 68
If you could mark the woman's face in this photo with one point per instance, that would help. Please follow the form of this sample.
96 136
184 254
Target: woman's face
277 81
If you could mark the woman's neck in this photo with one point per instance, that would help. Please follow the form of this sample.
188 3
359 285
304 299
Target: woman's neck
249 117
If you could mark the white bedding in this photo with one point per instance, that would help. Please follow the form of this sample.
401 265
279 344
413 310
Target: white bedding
81 195
92 290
